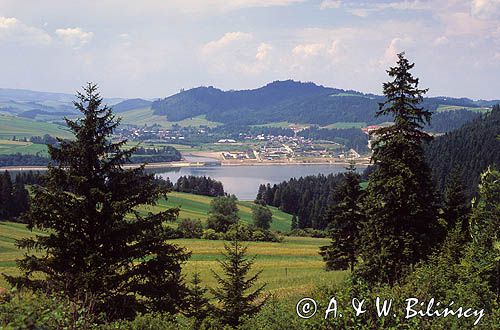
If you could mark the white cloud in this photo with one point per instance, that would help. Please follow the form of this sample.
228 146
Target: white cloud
263 51
226 40
330 4
74 37
13 30
308 50
442 40
485 9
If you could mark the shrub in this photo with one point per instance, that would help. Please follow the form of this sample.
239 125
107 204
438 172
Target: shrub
210 234
190 228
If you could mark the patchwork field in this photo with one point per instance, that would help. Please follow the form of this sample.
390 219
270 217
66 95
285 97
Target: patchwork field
21 127
145 116
8 147
197 207
443 108
291 269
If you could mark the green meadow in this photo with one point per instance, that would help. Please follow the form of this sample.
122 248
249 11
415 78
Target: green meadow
443 108
8 147
145 116
291 268
197 207
21 127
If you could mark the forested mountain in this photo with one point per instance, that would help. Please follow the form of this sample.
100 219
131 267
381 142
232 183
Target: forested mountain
297 102
472 148
131 104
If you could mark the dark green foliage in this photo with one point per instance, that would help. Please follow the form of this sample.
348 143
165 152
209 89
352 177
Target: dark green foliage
456 205
223 213
232 294
401 226
262 216
155 155
344 222
483 255
473 147
190 228
19 160
447 121
14 198
199 185
197 305
307 197
294 224
91 246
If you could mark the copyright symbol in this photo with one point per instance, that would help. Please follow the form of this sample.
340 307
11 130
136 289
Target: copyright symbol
306 308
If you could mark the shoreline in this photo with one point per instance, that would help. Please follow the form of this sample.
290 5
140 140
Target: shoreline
363 163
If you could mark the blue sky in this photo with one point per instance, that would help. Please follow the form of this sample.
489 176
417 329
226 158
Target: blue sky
153 48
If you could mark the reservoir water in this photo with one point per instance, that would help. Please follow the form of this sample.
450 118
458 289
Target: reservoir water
244 181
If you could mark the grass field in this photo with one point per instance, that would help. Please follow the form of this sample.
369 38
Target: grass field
21 127
196 207
343 125
145 116
291 269
443 108
8 147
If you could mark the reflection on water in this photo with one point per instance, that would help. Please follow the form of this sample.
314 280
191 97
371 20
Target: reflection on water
244 181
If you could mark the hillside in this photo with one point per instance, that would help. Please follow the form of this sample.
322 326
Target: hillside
197 207
298 102
472 147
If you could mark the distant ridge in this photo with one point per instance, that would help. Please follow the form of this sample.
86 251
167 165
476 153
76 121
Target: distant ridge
288 100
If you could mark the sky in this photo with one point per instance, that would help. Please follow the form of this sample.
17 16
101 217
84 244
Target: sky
154 48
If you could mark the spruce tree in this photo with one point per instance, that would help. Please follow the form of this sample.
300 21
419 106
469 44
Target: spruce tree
6 206
197 304
295 224
401 225
344 221
95 244
232 291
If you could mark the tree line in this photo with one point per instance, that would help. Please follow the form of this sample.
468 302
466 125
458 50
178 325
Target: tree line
14 198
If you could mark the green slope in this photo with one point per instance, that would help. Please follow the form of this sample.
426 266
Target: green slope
197 207
145 116
21 127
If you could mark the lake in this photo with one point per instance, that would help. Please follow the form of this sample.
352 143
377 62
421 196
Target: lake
244 181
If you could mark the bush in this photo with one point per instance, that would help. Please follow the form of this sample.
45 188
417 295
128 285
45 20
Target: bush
37 310
211 234
190 228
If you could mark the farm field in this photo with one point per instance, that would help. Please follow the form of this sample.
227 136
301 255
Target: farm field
343 125
145 116
21 127
196 207
8 147
443 108
291 269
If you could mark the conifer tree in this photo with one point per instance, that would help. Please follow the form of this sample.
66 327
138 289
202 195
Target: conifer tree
95 243
295 223
5 195
232 291
401 226
344 219
197 304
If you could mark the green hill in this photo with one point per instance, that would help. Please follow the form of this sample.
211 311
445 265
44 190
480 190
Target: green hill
21 127
197 207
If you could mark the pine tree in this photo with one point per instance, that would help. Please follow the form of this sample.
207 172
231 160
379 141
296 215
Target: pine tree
344 219
20 198
231 294
197 304
6 207
401 225
95 243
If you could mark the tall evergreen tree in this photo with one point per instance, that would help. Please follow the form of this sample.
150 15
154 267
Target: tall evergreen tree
401 224
197 304
344 218
95 243
231 293
5 195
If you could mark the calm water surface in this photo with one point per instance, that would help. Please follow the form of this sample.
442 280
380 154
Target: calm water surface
244 181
